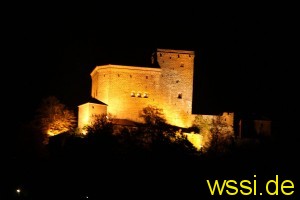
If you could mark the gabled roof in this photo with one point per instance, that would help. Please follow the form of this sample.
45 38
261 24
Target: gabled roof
93 100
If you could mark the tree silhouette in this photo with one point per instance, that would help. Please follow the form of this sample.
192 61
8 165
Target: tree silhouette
163 139
153 115
53 117
217 134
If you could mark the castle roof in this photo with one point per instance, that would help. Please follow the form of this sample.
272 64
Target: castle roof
123 67
95 101
175 51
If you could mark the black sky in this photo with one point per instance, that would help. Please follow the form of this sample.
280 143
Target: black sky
242 56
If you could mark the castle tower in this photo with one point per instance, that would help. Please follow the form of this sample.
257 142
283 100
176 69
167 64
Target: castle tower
126 90
176 85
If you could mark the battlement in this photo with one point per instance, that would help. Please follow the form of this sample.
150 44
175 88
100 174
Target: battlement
175 51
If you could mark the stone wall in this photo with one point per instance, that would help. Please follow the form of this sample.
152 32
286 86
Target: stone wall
126 89
176 85
87 111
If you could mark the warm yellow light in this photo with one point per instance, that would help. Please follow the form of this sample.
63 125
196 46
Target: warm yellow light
51 132
196 140
18 191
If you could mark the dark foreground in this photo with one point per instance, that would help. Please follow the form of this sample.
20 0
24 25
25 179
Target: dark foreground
148 176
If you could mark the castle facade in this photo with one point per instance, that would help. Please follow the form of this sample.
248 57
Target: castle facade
125 90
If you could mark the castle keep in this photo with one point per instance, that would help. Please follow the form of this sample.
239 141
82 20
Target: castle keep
122 91
125 90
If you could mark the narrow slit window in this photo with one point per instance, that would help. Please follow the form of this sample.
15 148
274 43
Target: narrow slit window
179 96
132 94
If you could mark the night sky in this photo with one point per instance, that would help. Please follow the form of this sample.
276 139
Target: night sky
242 56
245 63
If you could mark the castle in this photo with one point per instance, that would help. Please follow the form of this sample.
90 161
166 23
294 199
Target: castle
123 91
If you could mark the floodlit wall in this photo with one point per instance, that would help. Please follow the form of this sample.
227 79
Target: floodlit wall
87 111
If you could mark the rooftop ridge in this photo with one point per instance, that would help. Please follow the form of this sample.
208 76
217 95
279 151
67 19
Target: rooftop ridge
175 51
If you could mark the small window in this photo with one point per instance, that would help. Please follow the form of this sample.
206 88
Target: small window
139 94
145 95
146 77
130 76
160 55
132 94
118 75
181 65
104 75
93 107
177 81
170 57
179 96
178 56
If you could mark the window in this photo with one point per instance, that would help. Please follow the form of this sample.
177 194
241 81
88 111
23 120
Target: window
177 81
145 95
160 55
139 94
146 77
178 56
179 96
181 65
130 76
132 94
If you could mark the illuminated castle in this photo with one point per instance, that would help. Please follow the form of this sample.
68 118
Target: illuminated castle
125 90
